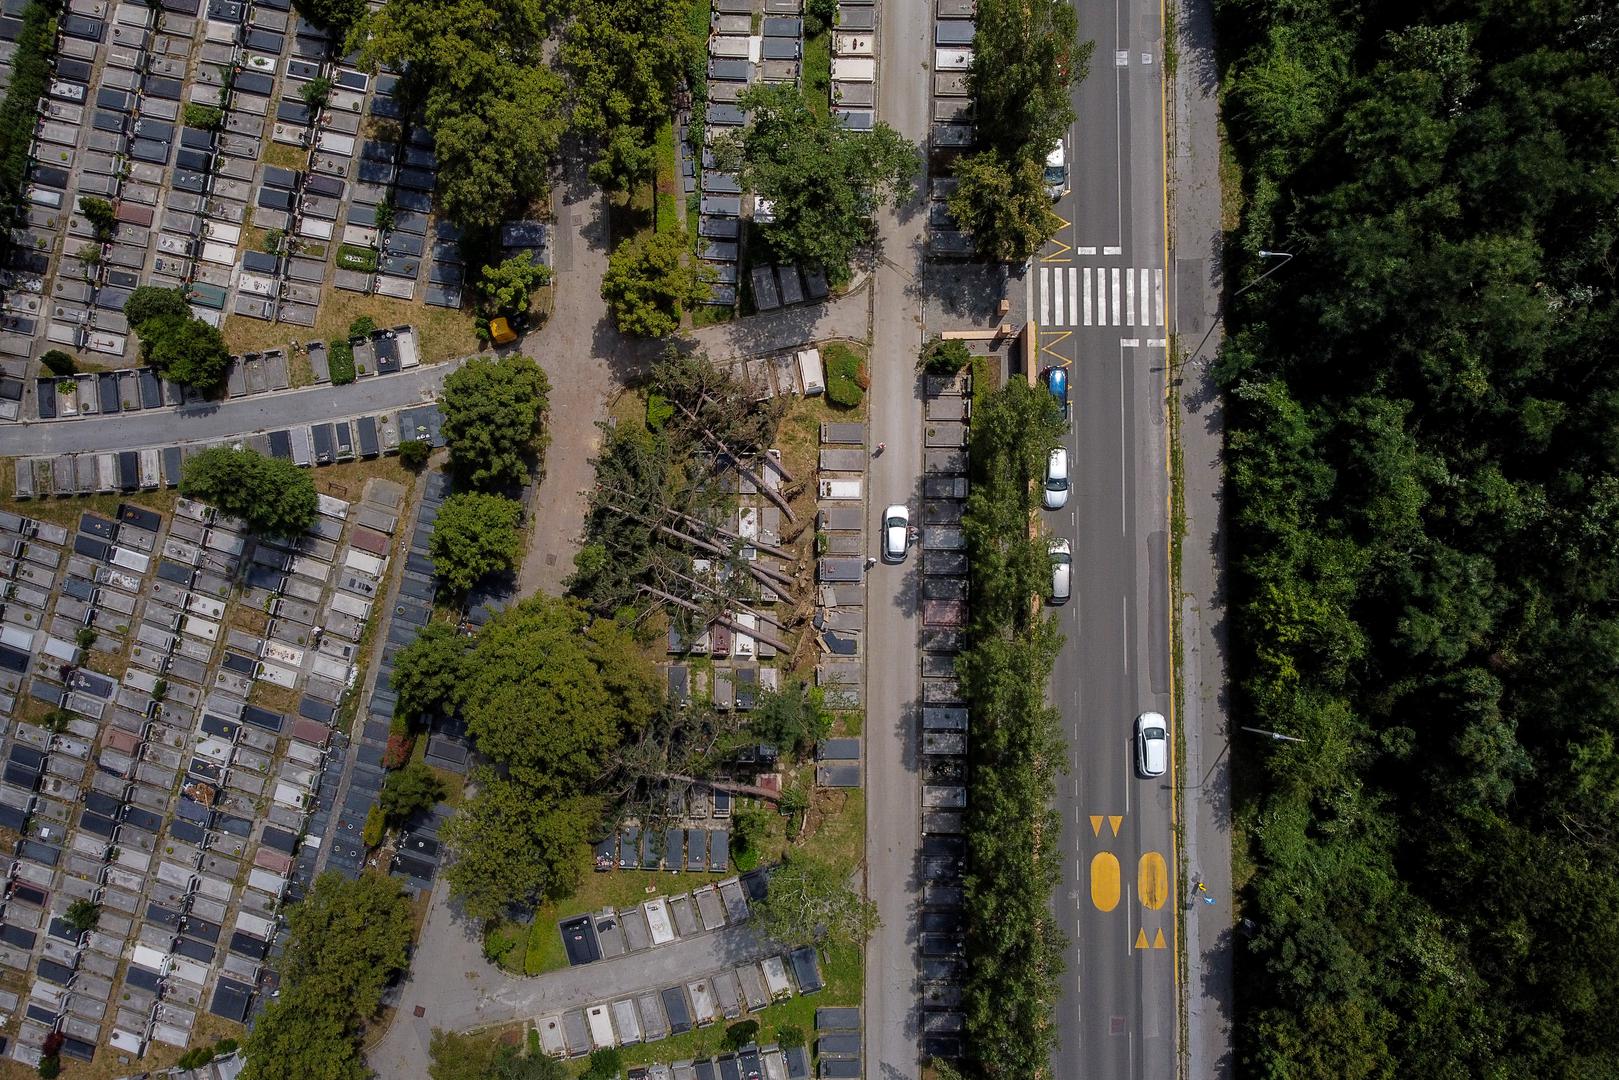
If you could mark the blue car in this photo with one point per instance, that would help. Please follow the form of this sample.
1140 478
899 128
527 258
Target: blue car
1057 382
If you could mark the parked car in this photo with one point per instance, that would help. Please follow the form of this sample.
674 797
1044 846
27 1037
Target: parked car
1152 744
1056 379
1062 570
1056 174
896 533
1056 495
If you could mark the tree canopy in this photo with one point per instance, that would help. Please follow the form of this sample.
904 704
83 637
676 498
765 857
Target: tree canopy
475 535
505 287
549 696
495 109
811 899
345 940
824 182
408 791
427 674
184 349
1026 55
649 281
273 496
1421 411
1002 204
492 410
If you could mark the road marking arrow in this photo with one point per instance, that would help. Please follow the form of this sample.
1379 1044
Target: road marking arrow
1158 941
1141 937
1115 820
1096 826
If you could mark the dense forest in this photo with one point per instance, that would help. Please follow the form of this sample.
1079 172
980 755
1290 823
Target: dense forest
1423 455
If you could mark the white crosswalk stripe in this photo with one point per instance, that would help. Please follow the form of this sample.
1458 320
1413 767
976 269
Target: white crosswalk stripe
1132 296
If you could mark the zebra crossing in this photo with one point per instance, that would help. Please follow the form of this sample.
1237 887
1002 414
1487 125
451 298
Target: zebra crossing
1101 296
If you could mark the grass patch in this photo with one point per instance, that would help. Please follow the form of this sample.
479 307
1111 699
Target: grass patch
817 84
347 480
846 378
285 155
666 213
1232 198
340 361
355 257
441 333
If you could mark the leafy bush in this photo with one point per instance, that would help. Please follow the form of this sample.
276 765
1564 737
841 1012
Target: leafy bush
99 213
206 117
941 357
604 1065
845 377
397 752
740 1034
371 834
58 362
413 453
658 410
340 361
789 1036
362 326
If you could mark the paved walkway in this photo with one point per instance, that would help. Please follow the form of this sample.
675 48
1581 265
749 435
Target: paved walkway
844 317
458 990
218 420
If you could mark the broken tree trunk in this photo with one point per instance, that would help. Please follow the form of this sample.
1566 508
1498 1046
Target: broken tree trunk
728 785
725 620
773 579
734 600
758 481
769 549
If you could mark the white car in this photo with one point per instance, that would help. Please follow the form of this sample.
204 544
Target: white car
1056 494
1062 571
1152 744
1056 172
896 533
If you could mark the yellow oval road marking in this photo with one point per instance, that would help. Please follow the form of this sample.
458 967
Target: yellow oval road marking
1152 880
1105 880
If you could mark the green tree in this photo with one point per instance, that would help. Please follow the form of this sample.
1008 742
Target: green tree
492 409
1002 204
337 16
811 900
315 92
413 454
627 158
274 497
824 182
510 851
474 536
409 791
82 915
99 213
793 718
1026 55
505 287
186 350
345 940
944 357
649 280
605 1064
428 673
59 363
149 302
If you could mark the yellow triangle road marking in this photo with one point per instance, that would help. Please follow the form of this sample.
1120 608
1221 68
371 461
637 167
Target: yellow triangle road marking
1141 937
1115 820
1158 941
1096 825
1056 337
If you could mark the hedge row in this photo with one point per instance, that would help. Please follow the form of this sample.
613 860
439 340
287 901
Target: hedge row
19 113
1014 949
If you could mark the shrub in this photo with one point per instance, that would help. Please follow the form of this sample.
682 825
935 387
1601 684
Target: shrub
206 117
845 376
362 326
86 637
50 1067
371 835
272 241
397 751
788 1036
740 1034
413 454
658 411
340 362
940 357
58 362
604 1065
98 212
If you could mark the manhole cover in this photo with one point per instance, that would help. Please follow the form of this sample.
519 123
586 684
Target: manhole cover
1116 1026
420 1011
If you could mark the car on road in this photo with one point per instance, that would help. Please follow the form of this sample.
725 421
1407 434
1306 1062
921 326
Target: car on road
1062 570
896 533
1056 380
1056 174
1056 494
1152 744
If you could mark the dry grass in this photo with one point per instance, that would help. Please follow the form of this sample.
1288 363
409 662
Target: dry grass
285 155
347 480
65 510
442 334
110 1063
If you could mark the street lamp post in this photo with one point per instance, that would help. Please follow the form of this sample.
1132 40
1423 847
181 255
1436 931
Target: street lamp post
1274 736
1285 256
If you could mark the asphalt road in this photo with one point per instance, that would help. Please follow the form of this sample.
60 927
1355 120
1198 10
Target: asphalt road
219 420
1102 300
893 783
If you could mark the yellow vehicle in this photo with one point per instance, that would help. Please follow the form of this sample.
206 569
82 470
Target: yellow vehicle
501 332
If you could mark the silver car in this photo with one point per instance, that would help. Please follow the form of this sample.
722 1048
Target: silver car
896 533
1062 571
1056 493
